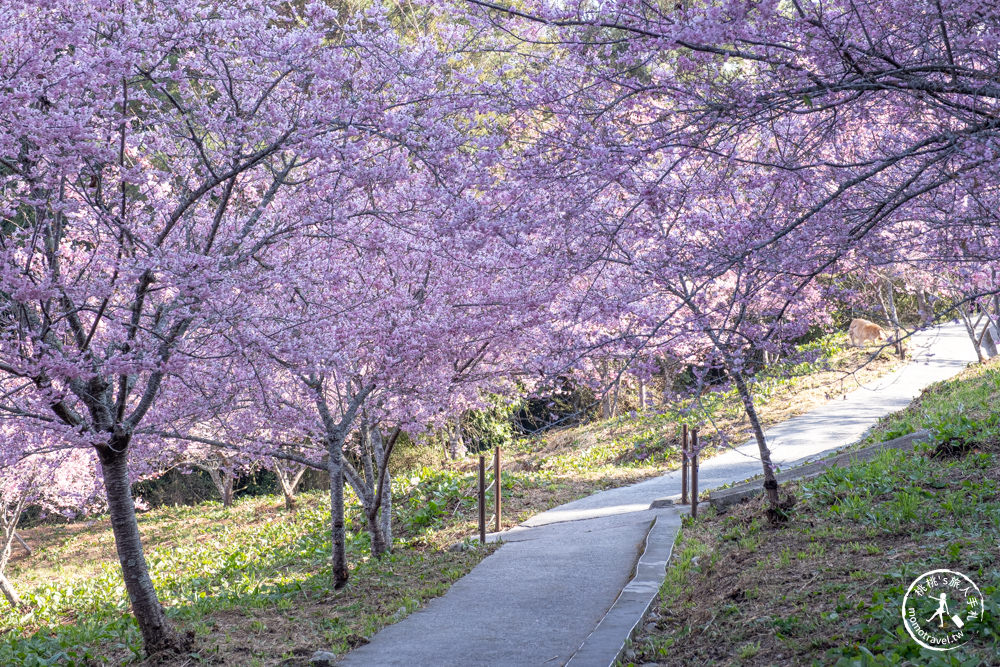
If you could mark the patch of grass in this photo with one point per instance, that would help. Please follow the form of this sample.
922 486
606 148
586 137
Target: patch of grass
748 651
827 587
963 408
252 582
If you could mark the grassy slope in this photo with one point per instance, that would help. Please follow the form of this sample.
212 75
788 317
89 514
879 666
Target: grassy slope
826 587
252 581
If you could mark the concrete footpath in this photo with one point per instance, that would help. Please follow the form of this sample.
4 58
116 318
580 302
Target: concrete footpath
569 585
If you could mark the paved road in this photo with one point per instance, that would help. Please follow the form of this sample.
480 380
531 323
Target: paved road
538 599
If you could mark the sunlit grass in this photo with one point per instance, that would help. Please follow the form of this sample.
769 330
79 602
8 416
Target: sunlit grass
827 586
253 561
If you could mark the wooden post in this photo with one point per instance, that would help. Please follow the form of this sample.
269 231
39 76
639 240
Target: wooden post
482 499
694 473
496 487
684 464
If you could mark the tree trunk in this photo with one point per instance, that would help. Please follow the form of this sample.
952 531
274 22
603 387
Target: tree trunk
24 545
926 314
5 586
889 306
288 481
8 592
376 503
223 481
642 393
992 340
987 341
888 301
157 635
890 298
386 517
335 467
457 448
380 545
665 396
228 479
609 401
289 495
606 395
381 452
770 481
970 329
614 399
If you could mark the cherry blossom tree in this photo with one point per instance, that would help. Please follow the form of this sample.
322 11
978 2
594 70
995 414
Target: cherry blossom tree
730 153
382 323
281 231
149 154
53 479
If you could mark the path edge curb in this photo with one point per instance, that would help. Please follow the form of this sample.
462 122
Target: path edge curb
608 640
724 498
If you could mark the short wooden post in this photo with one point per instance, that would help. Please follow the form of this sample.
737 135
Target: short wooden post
496 487
684 464
694 473
482 499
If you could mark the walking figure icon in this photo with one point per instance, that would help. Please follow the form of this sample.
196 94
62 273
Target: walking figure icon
953 597
941 610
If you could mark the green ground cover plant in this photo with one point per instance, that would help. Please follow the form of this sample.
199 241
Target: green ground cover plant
826 586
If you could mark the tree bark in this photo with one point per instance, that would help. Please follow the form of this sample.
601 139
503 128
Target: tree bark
386 517
457 448
890 299
665 396
223 481
8 592
24 545
606 396
376 532
926 314
374 488
6 587
227 487
335 467
970 329
381 482
614 396
157 634
288 481
770 481
989 338
887 301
